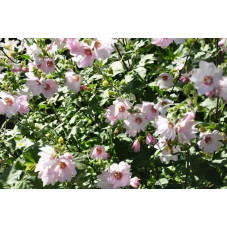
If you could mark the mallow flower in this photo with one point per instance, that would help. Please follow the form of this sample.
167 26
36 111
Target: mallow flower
73 81
206 78
98 152
117 176
186 128
165 128
165 81
210 141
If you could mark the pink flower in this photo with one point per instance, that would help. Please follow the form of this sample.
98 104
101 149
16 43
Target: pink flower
102 48
149 109
136 145
83 56
52 168
49 88
179 40
48 66
8 104
150 139
23 104
162 42
117 176
186 76
118 111
163 105
207 77
73 81
165 80
48 158
223 45
64 168
223 88
98 152
165 128
210 141
33 83
135 123
135 182
74 46
186 128
168 151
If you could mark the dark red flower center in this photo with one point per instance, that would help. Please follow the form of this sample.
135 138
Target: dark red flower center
208 80
9 101
208 139
118 175
165 77
121 109
62 165
50 64
87 51
138 120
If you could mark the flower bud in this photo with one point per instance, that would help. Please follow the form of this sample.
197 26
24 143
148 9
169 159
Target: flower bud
134 182
136 145
105 83
150 139
61 140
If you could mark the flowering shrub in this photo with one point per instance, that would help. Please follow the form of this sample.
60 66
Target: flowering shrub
113 113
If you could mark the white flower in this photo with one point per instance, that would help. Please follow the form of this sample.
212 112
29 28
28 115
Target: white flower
165 128
168 151
210 141
73 81
165 81
149 109
179 62
163 105
23 143
135 123
207 77
223 88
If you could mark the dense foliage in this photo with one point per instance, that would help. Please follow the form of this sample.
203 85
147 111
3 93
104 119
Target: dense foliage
113 113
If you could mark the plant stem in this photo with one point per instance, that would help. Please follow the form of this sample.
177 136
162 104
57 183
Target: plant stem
120 56
187 170
7 56
217 94
184 66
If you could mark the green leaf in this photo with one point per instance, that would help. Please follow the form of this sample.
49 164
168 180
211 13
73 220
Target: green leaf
117 68
209 104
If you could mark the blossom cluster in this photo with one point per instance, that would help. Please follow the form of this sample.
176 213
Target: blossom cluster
52 167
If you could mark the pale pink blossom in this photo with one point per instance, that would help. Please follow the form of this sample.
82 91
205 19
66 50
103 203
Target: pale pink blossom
73 81
163 105
33 83
74 46
162 42
150 139
33 50
52 168
223 44
84 56
179 40
23 104
135 182
45 166
207 77
223 88
98 152
117 176
9 104
149 109
136 145
186 128
210 141
165 81
165 128
48 66
49 88
118 111
135 123
102 48
64 168
166 151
